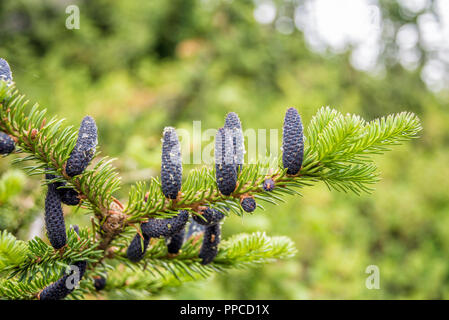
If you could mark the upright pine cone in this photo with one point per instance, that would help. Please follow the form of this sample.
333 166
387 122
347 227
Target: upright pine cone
7 144
225 167
54 218
174 243
155 228
135 251
232 123
68 196
5 70
211 239
171 164
292 142
63 286
208 217
84 149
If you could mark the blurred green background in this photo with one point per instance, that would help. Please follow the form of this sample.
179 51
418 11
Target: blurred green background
137 66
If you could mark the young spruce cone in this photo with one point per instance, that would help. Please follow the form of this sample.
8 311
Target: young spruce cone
99 283
171 164
211 239
232 123
54 218
208 217
268 184
64 286
135 252
292 142
68 196
248 203
84 149
155 228
225 167
7 144
174 243
5 71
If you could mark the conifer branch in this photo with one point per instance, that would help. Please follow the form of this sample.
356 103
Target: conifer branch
337 151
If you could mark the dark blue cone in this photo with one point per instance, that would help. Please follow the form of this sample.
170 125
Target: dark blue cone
292 142
84 149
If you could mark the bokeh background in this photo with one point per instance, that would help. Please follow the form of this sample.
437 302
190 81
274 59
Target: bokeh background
137 66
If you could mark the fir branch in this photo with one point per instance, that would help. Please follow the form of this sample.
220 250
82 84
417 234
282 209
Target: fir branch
49 145
35 258
159 269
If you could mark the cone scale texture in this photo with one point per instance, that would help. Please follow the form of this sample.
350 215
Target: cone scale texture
292 142
225 167
84 149
209 248
54 218
171 164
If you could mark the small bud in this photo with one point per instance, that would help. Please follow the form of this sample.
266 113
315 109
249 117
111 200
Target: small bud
54 218
211 239
248 203
292 142
208 217
268 184
84 149
171 164
7 144
99 283
225 167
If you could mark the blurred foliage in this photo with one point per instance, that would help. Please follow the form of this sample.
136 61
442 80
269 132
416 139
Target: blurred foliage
137 66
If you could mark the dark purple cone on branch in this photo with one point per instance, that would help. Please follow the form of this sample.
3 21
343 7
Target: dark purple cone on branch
225 167
99 283
69 196
7 144
248 203
155 228
84 149
211 239
208 217
54 218
232 123
64 286
135 251
5 70
292 142
268 184
174 243
171 164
